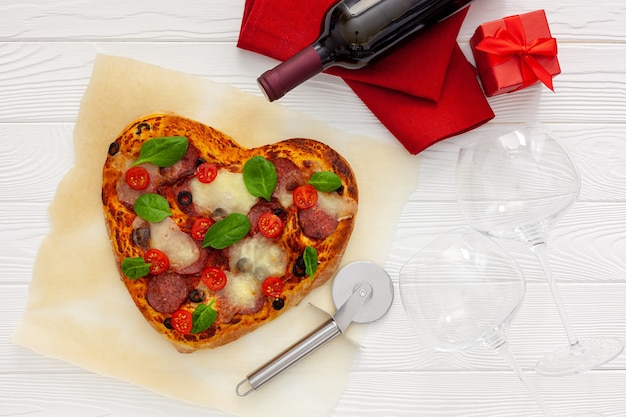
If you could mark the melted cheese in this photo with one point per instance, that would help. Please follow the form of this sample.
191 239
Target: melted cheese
242 290
267 257
179 246
284 197
336 206
227 192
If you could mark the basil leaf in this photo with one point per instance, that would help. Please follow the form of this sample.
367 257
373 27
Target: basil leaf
310 260
164 151
152 207
260 177
135 268
203 317
227 231
325 181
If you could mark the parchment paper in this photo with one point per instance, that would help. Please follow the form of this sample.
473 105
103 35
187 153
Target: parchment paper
78 309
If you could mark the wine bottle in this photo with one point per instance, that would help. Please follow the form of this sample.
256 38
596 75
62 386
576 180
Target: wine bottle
353 33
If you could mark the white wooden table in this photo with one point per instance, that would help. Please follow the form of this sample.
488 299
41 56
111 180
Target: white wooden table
47 49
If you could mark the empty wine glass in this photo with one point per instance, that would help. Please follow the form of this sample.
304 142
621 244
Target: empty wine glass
517 185
464 289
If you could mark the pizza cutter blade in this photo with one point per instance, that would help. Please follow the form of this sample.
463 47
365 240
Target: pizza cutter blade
362 292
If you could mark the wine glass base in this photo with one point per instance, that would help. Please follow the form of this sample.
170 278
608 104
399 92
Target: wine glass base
583 356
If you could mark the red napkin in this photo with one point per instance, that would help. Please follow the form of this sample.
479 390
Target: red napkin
423 92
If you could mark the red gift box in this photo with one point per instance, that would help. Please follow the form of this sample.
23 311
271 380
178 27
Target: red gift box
515 52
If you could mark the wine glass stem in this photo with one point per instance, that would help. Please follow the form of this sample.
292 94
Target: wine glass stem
541 251
504 351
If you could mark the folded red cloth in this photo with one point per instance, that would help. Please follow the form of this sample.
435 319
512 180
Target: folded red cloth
423 91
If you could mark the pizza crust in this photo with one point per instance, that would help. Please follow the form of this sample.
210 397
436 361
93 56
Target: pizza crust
214 146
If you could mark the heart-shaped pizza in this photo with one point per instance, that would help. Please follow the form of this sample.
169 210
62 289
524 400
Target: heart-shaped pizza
212 239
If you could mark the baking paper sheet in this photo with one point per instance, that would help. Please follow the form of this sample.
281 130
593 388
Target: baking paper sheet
78 309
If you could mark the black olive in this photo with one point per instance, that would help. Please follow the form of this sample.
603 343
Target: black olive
196 296
114 148
168 323
278 304
141 127
219 213
185 198
141 236
299 268
199 162
281 213
245 265
261 273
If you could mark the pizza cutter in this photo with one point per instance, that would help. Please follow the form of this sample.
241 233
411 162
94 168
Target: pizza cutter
362 292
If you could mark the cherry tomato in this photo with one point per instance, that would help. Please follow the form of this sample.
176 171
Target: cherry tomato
182 321
206 172
214 278
159 262
305 196
272 287
137 178
270 225
200 227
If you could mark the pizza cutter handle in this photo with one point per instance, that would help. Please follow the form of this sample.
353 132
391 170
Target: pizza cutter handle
319 337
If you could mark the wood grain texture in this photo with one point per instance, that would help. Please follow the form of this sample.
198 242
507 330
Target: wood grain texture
47 50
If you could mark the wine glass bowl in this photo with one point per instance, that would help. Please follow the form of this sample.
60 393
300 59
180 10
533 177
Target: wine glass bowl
464 289
517 185
460 290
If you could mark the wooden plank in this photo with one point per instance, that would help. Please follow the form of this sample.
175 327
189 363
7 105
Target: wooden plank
598 150
395 374
392 345
586 245
371 394
594 310
45 81
478 394
87 395
166 20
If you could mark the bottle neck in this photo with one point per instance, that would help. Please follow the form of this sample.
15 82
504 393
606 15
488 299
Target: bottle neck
276 82
334 53
325 51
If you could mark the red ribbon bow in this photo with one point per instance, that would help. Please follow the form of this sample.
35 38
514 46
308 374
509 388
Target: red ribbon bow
510 42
